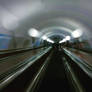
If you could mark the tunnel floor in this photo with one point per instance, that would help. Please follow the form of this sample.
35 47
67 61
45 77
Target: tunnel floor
55 79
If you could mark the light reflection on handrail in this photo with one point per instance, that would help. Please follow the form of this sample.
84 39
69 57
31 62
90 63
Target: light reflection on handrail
6 78
83 65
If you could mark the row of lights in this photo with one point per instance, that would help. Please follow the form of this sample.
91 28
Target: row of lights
35 33
75 34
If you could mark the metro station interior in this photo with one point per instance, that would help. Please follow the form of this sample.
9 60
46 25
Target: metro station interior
45 46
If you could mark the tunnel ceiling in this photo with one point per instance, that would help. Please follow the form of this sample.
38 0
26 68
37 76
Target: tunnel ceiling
23 15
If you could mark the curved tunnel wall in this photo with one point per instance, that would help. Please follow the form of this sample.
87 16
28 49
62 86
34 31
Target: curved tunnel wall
43 14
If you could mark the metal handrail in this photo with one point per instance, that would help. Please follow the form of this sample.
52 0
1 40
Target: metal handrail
10 75
82 49
82 64
34 84
72 77
19 49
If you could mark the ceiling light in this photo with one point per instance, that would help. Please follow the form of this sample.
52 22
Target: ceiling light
77 33
33 32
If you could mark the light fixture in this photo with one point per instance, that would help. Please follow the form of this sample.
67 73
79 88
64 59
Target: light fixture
64 40
77 33
33 32
44 37
67 38
49 40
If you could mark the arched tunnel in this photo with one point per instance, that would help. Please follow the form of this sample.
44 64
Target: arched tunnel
45 46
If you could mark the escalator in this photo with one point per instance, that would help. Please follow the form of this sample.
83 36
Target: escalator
49 70
54 41
23 81
45 71
82 69
21 69
55 79
65 75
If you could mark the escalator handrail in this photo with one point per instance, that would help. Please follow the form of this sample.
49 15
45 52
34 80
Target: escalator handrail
83 49
11 74
19 50
35 83
10 54
72 77
82 64
4 55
